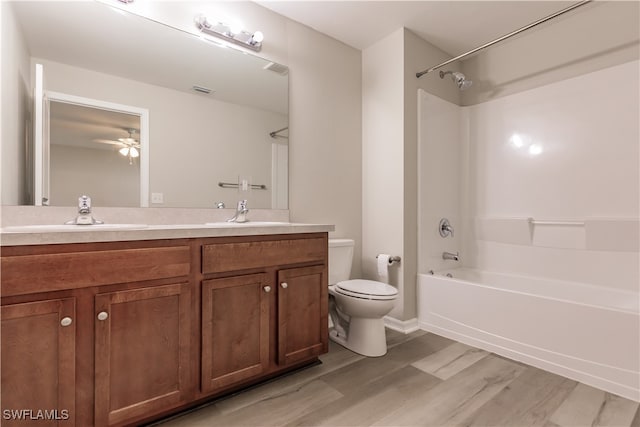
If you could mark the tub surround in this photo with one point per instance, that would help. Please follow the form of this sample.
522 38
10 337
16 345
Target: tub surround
541 187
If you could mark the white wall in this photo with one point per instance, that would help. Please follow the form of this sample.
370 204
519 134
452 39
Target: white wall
104 175
15 99
383 159
325 145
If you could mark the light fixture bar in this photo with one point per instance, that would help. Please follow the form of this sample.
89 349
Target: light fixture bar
223 31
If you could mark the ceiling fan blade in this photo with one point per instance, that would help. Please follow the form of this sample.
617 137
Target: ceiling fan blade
109 141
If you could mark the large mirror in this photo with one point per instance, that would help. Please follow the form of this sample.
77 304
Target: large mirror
216 116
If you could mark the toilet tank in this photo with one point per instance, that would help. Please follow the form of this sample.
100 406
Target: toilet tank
340 258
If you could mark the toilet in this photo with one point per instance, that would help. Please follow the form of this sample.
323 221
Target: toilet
356 307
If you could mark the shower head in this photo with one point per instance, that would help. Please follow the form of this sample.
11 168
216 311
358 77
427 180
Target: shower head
458 78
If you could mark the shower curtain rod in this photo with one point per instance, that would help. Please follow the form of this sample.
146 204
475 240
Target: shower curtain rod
506 36
275 133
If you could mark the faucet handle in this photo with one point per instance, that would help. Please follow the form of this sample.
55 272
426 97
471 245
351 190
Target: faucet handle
445 228
84 204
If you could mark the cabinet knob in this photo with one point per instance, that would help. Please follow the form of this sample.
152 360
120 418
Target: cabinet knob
103 315
267 288
66 321
284 285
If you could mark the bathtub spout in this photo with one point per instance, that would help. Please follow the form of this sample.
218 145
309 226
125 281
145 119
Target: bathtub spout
450 256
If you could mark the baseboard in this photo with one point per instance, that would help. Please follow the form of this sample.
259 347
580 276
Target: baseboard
404 326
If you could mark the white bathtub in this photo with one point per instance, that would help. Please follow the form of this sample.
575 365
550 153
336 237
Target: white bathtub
584 332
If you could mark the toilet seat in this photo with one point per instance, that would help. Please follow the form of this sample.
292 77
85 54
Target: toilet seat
366 289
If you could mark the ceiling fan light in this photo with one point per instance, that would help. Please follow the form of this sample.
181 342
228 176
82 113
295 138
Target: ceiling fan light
133 152
124 151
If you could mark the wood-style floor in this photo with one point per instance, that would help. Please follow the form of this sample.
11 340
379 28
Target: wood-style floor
424 380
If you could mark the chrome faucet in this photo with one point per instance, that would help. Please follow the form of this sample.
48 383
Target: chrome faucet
84 213
450 256
241 212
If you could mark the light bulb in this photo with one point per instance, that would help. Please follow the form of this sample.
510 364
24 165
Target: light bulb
257 37
535 149
235 28
516 140
124 151
134 152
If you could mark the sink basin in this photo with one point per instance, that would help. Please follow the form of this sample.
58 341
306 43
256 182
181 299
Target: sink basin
53 228
248 224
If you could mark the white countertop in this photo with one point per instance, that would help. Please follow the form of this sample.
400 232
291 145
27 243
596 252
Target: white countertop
54 234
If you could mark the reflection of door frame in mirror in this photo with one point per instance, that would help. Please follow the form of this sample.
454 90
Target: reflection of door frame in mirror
143 113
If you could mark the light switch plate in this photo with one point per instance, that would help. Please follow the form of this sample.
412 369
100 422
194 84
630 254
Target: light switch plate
157 198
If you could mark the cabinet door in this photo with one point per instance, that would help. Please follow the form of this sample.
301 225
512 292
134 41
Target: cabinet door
302 313
38 363
235 329
142 339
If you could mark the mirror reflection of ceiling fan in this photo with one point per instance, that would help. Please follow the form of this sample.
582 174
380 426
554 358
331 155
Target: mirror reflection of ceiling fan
130 147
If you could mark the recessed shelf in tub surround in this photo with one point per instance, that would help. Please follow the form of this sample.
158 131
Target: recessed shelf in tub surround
161 223
594 234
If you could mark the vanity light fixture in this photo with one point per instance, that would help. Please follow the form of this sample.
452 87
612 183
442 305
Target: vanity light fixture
230 33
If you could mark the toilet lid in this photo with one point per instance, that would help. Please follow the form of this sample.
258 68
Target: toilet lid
367 288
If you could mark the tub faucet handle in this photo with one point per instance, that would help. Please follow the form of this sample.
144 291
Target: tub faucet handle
445 228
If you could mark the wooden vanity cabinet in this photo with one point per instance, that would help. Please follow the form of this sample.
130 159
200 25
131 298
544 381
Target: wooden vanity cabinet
38 361
109 344
235 330
302 314
122 333
265 310
142 351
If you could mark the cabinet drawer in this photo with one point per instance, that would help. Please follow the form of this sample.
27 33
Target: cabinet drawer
51 272
221 257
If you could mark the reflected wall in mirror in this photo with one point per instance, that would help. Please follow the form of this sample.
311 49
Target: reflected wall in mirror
196 140
94 151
